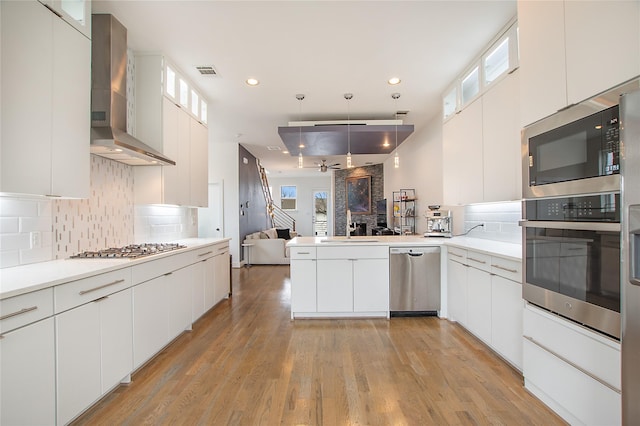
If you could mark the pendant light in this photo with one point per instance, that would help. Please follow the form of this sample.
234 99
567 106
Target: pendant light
396 157
348 97
300 97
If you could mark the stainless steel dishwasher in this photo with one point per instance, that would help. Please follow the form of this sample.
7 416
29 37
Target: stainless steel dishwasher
414 281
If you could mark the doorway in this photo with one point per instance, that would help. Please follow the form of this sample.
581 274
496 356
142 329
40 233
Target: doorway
210 219
320 210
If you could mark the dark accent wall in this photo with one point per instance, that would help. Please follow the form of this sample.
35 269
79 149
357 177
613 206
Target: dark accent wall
252 209
340 198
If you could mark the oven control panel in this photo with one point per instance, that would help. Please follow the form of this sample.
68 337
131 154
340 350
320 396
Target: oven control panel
587 208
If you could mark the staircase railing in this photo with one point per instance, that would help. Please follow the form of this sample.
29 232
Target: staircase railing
278 217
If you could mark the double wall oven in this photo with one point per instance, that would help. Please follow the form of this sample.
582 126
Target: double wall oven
571 213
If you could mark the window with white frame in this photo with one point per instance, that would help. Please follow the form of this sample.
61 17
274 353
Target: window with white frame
195 103
450 102
471 85
496 62
288 197
184 93
171 82
203 111
499 58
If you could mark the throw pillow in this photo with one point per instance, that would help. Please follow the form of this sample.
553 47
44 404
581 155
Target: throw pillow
283 233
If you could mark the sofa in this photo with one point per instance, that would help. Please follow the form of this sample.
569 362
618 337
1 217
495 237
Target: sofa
267 247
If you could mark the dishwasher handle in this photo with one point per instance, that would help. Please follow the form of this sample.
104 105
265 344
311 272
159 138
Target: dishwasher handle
415 254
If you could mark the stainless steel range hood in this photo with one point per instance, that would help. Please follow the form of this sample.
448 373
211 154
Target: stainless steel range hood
109 137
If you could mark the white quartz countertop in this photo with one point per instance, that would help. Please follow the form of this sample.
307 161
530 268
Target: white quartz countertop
497 248
36 276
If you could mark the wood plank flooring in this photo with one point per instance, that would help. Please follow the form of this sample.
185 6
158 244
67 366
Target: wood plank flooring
247 363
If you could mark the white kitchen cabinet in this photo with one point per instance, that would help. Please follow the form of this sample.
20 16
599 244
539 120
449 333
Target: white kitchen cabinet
479 303
612 30
485 297
506 319
93 351
46 86
209 283
303 280
370 285
345 280
501 159
543 81
77 360
198 290
335 285
462 156
222 278
572 50
27 382
199 169
76 13
572 369
179 290
172 130
457 286
150 319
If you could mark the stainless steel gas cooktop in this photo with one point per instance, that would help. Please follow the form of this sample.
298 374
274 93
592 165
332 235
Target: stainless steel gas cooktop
131 251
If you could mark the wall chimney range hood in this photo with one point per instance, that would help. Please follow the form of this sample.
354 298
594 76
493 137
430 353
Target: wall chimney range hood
109 137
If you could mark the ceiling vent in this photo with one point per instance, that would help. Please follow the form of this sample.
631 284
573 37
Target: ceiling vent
274 148
207 70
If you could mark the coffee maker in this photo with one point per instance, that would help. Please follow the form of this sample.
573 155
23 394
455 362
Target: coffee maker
439 223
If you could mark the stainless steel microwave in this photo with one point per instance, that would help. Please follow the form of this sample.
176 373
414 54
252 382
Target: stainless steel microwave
576 150
579 156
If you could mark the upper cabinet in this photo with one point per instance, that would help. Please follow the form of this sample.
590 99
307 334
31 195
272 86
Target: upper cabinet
169 117
573 50
481 147
46 94
76 12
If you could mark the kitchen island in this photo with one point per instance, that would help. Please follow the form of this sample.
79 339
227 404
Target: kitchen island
340 277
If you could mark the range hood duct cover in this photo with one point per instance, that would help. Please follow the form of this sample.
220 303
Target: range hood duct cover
109 137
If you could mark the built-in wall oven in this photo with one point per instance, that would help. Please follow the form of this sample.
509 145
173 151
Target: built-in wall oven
571 212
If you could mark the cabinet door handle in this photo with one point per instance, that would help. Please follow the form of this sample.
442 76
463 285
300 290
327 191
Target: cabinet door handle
204 254
476 260
505 269
168 273
222 248
20 312
83 292
304 252
55 12
455 254
577 367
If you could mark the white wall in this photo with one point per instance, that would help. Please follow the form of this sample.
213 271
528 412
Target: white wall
223 167
305 186
420 168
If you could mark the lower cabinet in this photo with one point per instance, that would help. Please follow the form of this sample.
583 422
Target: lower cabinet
150 319
211 282
179 290
93 352
485 297
339 280
221 276
28 392
573 370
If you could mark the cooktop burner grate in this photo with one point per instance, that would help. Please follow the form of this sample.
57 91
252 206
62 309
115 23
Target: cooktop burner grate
131 251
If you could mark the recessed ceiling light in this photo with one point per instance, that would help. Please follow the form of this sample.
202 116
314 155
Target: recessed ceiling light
252 81
285 152
393 81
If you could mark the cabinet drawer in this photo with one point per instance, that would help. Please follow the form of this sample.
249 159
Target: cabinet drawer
155 268
76 293
24 309
302 252
586 349
351 252
208 251
507 268
479 260
457 254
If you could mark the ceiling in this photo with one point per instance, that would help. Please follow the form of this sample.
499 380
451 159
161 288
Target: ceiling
322 49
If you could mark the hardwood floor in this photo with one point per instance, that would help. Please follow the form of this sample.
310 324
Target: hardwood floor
247 363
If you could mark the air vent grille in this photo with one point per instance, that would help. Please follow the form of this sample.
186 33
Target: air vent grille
274 148
207 70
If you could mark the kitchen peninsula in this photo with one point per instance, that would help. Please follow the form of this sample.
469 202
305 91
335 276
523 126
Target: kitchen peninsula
340 277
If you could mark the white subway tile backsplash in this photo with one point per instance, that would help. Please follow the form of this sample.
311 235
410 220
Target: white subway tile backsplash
35 255
9 258
500 221
15 241
16 207
9 225
42 224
